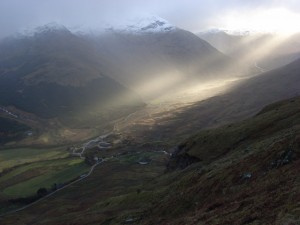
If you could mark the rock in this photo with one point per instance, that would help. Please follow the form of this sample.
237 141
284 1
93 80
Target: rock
285 158
181 161
130 220
246 176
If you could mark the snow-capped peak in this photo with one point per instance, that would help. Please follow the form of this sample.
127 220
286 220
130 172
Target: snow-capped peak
148 24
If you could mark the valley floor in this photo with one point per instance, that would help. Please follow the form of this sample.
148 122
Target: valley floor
236 174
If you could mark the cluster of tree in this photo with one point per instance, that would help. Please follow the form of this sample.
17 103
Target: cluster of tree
41 192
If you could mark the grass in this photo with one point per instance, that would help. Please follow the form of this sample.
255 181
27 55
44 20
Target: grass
26 180
140 156
112 187
213 143
213 191
13 157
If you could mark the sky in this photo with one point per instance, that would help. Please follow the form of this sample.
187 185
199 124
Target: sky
193 15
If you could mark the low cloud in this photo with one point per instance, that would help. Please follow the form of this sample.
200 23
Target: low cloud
193 15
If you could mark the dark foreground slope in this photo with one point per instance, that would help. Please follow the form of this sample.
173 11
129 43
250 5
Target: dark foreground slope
243 173
246 173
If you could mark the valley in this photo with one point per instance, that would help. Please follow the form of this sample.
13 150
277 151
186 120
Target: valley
129 138
144 122
250 152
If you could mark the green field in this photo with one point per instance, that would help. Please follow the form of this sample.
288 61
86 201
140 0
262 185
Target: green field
13 157
26 180
25 170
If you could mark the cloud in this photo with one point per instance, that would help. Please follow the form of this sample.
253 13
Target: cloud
189 14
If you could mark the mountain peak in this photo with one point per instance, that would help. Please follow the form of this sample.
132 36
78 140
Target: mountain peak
44 29
51 27
146 24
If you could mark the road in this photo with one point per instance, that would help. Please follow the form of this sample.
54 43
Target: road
99 140
54 192
258 67
84 147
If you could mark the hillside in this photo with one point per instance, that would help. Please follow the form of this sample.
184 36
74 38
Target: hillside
239 100
156 63
242 173
52 78
11 130
54 74
250 95
245 173
267 51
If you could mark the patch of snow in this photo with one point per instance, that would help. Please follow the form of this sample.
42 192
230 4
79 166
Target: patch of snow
85 30
148 24
139 25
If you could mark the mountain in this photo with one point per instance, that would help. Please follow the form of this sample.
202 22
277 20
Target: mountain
157 54
241 100
248 97
62 78
223 41
238 173
145 24
53 73
264 50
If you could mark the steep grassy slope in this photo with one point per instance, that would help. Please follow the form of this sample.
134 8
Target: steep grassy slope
246 174
243 173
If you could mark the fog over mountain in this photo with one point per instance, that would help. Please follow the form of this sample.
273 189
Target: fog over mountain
191 15
54 73
266 51
77 77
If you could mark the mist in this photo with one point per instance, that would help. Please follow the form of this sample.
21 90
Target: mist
191 14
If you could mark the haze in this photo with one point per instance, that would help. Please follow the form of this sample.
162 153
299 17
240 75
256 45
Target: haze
193 15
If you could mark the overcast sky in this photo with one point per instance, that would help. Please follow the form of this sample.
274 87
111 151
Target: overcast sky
193 15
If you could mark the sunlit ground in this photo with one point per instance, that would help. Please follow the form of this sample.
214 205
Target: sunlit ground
166 106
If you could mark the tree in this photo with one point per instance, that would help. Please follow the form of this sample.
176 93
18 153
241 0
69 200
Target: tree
42 192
